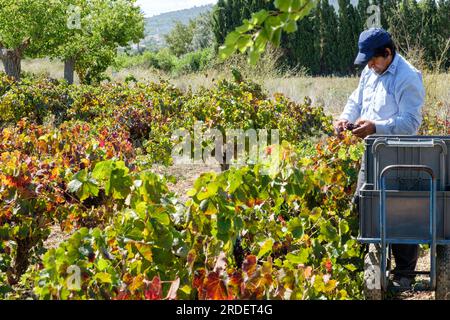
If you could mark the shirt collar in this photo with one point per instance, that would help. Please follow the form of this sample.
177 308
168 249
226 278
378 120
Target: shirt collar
393 67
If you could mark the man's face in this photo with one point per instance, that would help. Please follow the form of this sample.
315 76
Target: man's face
380 64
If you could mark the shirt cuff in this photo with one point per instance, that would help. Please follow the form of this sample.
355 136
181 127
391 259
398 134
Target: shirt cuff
383 126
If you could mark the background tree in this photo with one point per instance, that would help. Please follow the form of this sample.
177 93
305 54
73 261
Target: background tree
328 24
347 35
28 28
179 40
203 36
104 26
303 47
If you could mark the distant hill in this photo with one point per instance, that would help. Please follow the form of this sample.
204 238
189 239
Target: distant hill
157 26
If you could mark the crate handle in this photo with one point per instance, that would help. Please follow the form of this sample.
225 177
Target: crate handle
409 144
432 229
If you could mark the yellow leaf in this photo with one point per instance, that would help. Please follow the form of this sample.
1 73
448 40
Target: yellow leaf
330 285
145 251
137 283
104 277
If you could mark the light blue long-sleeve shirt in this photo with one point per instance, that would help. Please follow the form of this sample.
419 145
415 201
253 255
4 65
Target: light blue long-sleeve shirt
393 100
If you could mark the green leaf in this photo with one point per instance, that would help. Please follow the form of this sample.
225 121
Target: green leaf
343 227
328 232
265 247
342 154
254 57
244 28
295 226
351 267
232 38
290 27
103 277
102 170
259 17
234 181
261 41
191 192
74 185
283 5
244 42
102 264
223 228
83 186
163 236
115 176
209 191
300 258
89 189
226 51
162 218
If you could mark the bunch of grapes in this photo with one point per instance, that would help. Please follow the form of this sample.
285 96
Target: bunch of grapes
351 126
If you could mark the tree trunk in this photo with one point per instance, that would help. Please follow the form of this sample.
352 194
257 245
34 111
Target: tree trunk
11 59
69 67
21 260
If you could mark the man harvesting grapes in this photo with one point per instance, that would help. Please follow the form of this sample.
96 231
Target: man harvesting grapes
388 101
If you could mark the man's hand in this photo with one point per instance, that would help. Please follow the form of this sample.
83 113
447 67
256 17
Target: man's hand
366 128
339 127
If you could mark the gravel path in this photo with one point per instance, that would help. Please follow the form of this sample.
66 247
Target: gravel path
423 264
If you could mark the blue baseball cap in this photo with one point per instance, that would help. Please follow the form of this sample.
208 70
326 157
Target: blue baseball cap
369 40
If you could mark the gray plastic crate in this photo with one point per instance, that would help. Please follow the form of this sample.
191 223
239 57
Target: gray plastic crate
407 214
382 151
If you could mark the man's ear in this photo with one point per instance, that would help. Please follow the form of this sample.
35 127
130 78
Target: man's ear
387 52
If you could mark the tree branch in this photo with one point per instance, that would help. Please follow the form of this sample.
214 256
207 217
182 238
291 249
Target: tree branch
2 50
24 45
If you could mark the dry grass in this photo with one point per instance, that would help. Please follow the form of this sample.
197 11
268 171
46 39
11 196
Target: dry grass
330 92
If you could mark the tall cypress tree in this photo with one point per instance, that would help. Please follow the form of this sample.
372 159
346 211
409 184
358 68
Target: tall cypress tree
220 17
444 30
328 28
363 5
430 40
347 37
303 47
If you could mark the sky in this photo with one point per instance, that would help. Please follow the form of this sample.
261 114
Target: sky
155 7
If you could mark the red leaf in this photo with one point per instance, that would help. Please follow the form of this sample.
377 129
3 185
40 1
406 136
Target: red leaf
123 295
198 282
154 289
329 266
235 279
249 265
215 287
